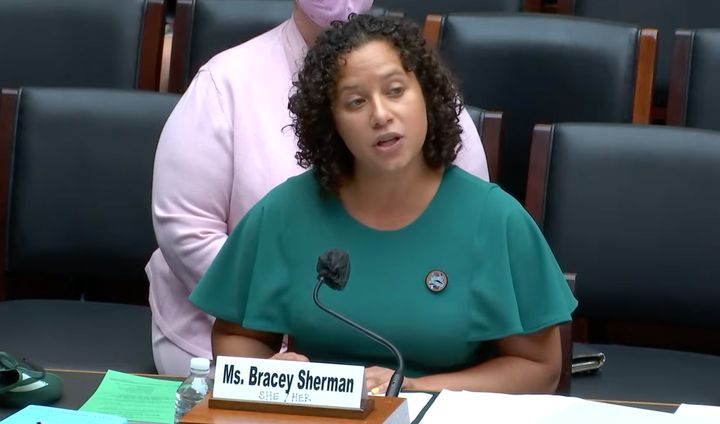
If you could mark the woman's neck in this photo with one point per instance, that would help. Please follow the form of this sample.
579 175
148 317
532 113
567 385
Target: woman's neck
308 29
390 202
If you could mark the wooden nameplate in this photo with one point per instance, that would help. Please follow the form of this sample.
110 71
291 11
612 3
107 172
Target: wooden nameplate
366 407
387 410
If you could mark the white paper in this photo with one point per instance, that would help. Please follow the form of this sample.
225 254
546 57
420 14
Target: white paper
706 413
416 401
471 407
474 407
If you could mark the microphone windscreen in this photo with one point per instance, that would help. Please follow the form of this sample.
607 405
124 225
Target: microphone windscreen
333 267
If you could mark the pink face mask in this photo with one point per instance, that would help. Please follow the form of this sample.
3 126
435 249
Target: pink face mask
324 12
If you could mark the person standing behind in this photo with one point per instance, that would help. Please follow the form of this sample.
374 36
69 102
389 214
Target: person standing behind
223 148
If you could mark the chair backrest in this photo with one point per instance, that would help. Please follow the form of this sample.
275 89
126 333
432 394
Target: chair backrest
664 15
78 188
81 43
694 87
204 28
418 10
633 210
489 127
540 68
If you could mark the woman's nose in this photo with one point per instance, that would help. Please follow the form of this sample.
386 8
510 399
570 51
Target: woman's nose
381 114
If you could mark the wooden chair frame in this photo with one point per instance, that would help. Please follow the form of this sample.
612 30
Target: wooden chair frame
182 28
533 6
680 77
8 106
565 7
538 172
151 46
644 65
491 136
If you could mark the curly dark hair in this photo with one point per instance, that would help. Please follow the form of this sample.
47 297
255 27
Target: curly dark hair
320 145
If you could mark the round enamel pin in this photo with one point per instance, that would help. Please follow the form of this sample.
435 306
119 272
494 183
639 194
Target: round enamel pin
436 280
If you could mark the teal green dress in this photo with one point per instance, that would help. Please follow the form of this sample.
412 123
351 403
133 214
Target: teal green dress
501 277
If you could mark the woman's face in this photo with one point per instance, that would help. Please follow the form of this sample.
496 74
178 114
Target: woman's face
379 110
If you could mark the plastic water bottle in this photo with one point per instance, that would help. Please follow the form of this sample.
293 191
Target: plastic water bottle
193 390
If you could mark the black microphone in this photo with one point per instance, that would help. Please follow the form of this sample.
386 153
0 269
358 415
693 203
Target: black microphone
333 269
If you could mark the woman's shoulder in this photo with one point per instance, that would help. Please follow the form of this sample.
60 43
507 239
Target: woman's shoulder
483 202
295 192
472 189
286 203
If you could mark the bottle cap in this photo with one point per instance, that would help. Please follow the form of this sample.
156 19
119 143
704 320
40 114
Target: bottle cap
200 364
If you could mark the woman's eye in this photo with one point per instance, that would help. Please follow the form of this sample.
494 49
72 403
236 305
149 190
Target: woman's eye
354 103
396 91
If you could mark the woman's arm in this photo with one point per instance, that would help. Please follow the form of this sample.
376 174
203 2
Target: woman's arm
192 181
230 339
527 363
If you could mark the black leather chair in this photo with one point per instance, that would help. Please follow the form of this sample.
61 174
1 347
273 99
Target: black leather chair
664 15
418 10
542 69
204 28
694 85
81 43
632 209
76 188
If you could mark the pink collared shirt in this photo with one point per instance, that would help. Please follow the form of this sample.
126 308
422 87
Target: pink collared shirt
223 148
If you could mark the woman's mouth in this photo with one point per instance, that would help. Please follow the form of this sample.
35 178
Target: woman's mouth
387 143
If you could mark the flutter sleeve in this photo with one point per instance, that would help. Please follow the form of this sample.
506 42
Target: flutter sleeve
247 283
520 288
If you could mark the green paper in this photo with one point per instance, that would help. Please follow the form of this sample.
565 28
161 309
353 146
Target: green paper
136 398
